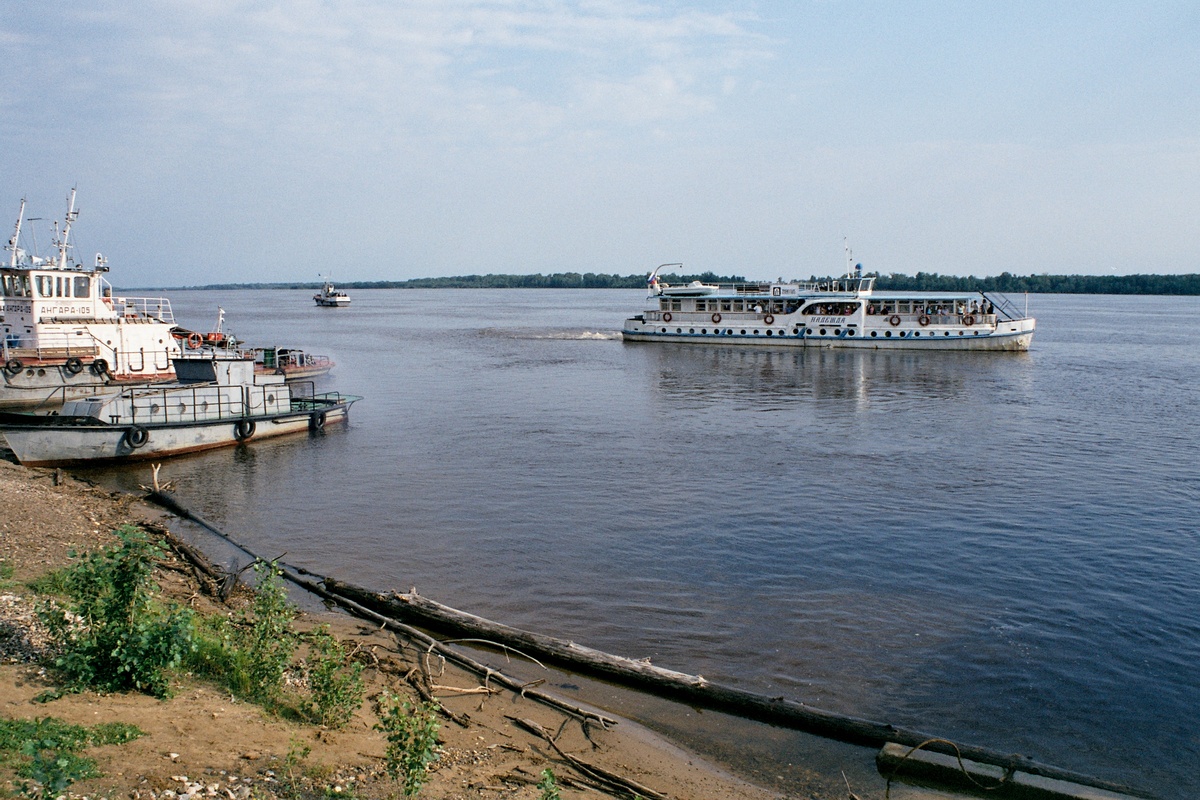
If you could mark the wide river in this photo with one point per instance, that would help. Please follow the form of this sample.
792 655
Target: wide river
1001 549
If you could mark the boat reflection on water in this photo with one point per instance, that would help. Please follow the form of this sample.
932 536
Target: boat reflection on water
697 376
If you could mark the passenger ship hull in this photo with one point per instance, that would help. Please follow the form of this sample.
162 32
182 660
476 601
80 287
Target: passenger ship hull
1016 336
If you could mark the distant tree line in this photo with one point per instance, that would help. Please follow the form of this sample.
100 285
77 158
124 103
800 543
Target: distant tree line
922 281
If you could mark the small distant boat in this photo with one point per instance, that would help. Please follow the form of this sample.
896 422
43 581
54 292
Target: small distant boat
330 296
218 401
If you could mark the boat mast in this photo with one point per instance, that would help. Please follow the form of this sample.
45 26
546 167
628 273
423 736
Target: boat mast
61 243
12 243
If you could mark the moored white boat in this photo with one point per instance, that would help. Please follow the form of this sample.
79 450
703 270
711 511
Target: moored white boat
66 335
219 400
64 331
845 312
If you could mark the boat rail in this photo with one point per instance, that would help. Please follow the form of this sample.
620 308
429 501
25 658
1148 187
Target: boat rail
1004 305
206 402
49 346
157 308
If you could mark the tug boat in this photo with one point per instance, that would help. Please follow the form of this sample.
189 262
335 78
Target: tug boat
845 312
331 297
64 331
65 335
218 400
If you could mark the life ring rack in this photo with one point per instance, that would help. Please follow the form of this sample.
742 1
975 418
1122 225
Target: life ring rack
716 318
666 316
894 320
923 320
768 320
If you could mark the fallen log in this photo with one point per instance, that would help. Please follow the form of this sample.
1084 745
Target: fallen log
693 689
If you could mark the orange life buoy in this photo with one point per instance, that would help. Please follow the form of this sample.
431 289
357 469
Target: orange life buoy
667 317
194 341
923 320
894 319
716 318
768 319
969 320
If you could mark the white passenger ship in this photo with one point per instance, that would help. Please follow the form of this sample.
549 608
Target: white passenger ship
845 312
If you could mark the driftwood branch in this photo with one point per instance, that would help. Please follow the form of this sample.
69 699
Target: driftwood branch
591 771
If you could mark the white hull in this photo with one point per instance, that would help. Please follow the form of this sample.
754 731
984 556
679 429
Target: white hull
43 446
1016 335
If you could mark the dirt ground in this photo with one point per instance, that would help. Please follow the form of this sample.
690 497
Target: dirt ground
205 743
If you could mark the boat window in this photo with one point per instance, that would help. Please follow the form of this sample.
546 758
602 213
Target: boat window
676 305
83 286
701 305
45 285
904 307
6 285
736 305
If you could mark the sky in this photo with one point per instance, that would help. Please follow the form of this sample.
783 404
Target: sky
218 141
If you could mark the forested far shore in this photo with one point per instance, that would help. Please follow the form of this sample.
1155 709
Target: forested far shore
923 281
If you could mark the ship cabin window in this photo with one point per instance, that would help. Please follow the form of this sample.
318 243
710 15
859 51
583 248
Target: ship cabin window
668 304
44 285
904 306
702 305
831 309
83 286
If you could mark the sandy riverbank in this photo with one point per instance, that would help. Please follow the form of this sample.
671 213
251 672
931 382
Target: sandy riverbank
203 735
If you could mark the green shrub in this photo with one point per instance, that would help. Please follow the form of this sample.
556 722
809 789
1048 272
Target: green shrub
269 642
110 633
336 682
411 741
549 785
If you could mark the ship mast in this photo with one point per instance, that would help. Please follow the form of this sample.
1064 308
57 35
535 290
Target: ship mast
16 237
61 243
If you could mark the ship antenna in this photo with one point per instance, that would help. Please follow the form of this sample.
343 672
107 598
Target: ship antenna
849 256
12 243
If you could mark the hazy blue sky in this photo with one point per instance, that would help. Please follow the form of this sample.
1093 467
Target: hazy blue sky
215 140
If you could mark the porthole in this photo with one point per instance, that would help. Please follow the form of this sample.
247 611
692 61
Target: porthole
808 331
704 330
960 333
901 334
41 373
976 333
874 333
756 331
915 333
679 330
887 334
664 330
822 331
743 331
850 332
691 330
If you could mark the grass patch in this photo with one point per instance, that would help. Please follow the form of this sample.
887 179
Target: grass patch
44 754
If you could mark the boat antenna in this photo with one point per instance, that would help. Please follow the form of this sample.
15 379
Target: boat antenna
12 243
61 242
849 256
